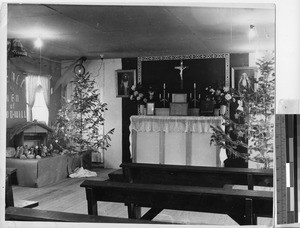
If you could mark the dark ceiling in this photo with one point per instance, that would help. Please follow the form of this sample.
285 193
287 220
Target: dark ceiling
71 31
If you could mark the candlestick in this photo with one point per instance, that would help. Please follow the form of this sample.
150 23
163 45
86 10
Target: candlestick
164 98
195 96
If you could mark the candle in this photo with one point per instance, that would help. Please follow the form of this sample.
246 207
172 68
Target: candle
191 95
159 96
199 96
164 85
194 85
168 95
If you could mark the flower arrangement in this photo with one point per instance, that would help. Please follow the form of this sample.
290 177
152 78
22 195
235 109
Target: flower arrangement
140 95
209 94
224 96
220 95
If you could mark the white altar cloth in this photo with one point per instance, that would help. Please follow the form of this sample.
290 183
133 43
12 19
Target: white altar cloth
178 140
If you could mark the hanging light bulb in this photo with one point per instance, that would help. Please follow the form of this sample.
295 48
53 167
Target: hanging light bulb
38 43
252 32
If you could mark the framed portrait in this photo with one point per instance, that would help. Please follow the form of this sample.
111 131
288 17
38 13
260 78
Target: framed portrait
243 78
150 108
125 79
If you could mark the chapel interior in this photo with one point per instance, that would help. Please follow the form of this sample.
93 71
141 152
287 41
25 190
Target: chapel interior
140 114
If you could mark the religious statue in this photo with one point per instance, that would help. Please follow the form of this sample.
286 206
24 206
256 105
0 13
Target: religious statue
181 68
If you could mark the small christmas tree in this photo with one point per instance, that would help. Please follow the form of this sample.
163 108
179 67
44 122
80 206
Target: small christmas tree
253 128
80 120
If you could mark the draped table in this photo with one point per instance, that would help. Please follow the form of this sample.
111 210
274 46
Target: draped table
44 171
177 140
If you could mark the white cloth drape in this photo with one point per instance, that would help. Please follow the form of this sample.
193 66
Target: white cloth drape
45 84
35 83
31 87
190 145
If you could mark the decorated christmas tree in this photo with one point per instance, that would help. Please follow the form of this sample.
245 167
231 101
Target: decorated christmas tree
253 125
78 128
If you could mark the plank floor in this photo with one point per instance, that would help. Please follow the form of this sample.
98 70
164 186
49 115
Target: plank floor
68 196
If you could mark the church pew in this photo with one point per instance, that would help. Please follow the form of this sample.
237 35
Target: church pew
242 205
196 175
27 214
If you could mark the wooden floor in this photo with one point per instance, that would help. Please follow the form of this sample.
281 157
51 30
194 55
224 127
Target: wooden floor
68 196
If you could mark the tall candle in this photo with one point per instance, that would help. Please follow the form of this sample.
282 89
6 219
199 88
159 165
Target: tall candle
195 96
159 96
164 85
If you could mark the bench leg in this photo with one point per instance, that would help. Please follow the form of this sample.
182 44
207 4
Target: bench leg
9 196
249 212
134 212
151 214
92 202
250 182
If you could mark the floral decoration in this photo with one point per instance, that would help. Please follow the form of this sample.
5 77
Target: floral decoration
220 95
140 95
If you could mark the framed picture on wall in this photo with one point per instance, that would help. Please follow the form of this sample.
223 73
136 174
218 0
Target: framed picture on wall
243 78
125 79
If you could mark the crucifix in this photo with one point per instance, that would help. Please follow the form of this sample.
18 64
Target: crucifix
181 68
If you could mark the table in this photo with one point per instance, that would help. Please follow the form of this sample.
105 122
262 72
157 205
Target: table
176 140
41 172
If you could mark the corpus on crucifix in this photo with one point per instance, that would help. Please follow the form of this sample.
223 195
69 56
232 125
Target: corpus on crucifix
181 68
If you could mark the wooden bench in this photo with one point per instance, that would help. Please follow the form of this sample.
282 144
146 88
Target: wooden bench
196 175
27 214
9 196
242 205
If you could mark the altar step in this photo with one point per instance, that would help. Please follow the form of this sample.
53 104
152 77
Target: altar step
97 165
116 176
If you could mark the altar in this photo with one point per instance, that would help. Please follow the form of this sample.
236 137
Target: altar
177 140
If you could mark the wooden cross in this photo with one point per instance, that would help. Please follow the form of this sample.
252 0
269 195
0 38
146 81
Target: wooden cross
181 68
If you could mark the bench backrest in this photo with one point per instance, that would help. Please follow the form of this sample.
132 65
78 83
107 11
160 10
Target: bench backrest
28 214
196 175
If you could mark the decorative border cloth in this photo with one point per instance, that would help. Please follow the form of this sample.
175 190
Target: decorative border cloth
194 124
